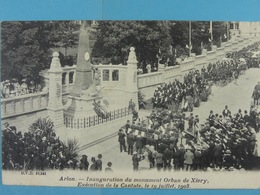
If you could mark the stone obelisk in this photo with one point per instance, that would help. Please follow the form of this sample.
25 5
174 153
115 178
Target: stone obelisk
83 71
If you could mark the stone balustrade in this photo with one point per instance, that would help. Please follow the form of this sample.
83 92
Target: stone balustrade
150 79
171 72
112 75
24 104
68 78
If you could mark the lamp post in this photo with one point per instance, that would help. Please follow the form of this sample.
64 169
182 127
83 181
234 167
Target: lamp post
211 35
189 38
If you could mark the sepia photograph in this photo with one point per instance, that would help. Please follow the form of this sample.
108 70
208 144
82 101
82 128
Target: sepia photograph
159 104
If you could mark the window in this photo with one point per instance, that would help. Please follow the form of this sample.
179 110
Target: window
115 75
64 78
105 75
71 75
236 25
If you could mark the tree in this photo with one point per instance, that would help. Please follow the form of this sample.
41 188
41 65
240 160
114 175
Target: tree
63 34
114 38
26 46
219 32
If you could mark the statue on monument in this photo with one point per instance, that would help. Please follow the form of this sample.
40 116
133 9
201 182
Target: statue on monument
95 87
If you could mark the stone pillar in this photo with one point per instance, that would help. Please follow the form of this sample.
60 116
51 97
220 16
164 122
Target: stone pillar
132 71
55 107
131 81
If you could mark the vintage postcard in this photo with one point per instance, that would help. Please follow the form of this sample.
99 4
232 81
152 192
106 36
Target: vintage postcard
131 104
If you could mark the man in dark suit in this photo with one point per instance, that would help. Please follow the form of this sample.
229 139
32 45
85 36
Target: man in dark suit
121 140
130 142
99 163
226 112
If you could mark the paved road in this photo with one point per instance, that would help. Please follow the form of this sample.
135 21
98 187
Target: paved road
235 95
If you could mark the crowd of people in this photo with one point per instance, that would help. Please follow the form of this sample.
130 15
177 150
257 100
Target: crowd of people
174 141
13 88
224 142
42 150
196 86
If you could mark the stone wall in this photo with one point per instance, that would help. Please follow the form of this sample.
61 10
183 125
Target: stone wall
12 107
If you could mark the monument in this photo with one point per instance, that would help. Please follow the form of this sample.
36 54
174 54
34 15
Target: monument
88 97
86 89
83 72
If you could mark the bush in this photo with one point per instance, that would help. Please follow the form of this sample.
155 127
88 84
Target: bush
72 147
43 124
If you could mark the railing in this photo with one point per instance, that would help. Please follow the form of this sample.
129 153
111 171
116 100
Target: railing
84 123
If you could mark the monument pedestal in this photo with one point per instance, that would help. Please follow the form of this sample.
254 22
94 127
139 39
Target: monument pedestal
80 107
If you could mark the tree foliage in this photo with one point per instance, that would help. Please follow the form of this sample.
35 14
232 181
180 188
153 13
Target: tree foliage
44 124
114 39
26 46
152 38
